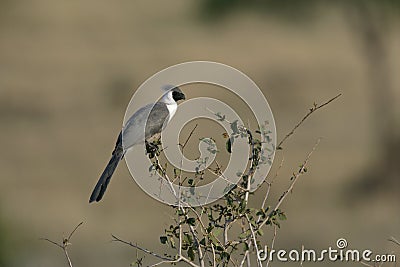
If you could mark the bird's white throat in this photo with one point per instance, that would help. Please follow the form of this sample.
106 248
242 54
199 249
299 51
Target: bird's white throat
171 109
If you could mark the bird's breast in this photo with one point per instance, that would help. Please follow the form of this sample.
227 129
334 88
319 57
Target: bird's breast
171 109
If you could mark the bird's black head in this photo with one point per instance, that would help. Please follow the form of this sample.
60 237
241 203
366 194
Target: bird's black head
177 94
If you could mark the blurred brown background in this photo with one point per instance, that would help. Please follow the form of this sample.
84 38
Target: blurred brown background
69 68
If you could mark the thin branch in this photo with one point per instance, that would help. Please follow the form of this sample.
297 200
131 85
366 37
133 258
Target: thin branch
213 253
65 243
290 188
302 250
116 239
204 231
165 262
54 243
226 230
269 187
73 231
311 111
189 262
188 138
192 229
251 169
180 236
195 238
197 243
253 234
244 258
272 244
68 258
175 261
394 240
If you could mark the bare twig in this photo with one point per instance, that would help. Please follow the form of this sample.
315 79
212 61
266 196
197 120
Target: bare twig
65 243
116 239
394 240
195 238
165 262
164 259
197 243
188 262
311 111
73 231
253 235
269 186
180 236
242 262
175 261
213 253
226 230
252 167
290 188
246 198
302 250
272 245
188 138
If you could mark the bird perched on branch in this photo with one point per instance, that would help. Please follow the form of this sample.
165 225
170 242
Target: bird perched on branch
142 126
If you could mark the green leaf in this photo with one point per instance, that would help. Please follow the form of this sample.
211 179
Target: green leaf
228 144
225 255
213 240
217 231
281 216
220 116
188 239
163 239
172 241
151 168
260 232
244 234
276 223
219 248
180 213
191 221
234 127
260 213
192 190
191 253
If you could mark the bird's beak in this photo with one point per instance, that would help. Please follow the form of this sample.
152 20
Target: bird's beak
181 96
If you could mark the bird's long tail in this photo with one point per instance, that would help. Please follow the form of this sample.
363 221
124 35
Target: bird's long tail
105 177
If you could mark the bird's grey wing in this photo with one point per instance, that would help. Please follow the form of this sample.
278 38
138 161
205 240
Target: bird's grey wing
157 120
134 131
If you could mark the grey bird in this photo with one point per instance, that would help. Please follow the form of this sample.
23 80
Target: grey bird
137 130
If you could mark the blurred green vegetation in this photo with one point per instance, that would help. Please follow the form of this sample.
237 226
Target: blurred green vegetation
290 9
4 245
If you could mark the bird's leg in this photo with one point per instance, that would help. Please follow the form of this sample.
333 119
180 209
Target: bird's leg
151 149
152 144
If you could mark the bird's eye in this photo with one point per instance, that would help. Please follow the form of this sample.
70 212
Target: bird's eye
175 96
